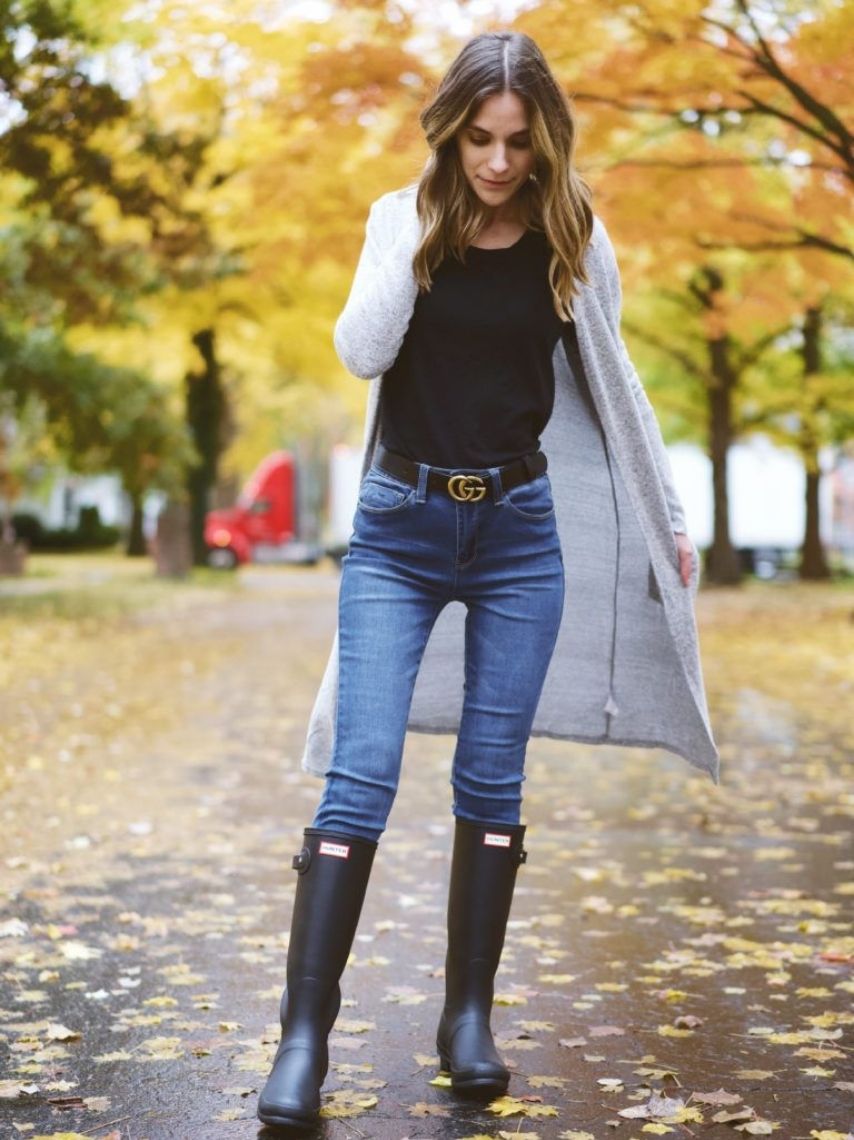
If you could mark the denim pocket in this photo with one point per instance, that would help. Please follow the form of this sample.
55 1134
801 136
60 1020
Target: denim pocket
382 493
532 500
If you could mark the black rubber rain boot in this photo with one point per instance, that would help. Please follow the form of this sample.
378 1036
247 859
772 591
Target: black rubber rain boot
483 875
333 876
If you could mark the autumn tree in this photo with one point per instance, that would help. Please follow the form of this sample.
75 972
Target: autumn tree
719 134
802 400
97 417
98 217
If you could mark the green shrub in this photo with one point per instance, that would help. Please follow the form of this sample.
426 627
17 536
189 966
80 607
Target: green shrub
28 529
89 534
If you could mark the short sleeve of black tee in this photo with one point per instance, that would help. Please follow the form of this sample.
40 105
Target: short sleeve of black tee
473 383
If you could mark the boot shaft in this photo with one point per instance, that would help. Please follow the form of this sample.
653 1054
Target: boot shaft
333 870
483 878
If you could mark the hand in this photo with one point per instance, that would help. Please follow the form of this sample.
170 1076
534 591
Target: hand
686 556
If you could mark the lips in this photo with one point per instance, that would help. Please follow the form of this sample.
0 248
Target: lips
489 182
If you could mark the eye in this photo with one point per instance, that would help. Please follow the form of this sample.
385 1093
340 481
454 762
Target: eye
478 140
521 144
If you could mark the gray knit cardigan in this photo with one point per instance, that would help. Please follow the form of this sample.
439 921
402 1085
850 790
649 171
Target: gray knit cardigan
626 668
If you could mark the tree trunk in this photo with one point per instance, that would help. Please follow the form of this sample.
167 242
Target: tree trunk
723 564
813 564
173 554
13 558
136 545
206 413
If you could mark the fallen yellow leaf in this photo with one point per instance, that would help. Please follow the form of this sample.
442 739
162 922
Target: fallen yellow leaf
512 1106
61 1136
546 1082
345 1025
346 1103
423 1109
11 1089
57 1032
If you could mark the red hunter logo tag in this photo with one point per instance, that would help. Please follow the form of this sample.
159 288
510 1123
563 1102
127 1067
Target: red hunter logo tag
338 850
490 839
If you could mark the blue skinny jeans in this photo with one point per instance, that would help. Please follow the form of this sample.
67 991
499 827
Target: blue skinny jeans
412 551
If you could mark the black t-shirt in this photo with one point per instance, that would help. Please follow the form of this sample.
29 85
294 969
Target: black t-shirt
473 383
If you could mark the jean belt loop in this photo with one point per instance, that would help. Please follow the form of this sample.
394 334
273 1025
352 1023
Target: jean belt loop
423 472
497 489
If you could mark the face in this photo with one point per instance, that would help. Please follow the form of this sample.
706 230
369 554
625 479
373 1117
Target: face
495 148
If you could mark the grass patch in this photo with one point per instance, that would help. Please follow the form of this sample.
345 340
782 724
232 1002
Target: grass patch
100 586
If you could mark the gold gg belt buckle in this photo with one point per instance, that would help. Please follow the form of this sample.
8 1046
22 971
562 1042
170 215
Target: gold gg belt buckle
466 488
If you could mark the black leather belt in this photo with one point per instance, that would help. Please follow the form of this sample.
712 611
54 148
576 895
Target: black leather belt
460 486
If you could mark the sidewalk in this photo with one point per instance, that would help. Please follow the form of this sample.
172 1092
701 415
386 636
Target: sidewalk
668 938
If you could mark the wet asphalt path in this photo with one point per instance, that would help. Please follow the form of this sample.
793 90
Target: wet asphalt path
668 938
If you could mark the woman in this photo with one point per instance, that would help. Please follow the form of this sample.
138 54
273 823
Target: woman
485 308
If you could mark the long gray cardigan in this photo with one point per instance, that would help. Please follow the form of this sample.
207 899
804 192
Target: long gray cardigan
626 667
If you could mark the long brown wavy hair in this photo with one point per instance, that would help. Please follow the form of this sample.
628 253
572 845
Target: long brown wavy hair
555 200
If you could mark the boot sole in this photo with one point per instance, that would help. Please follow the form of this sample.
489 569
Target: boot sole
288 1120
479 1086
480 1089
482 1085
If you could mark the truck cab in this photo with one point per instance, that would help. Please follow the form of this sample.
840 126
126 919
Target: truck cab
263 524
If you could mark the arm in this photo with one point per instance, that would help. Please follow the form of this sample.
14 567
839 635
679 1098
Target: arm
370 330
650 422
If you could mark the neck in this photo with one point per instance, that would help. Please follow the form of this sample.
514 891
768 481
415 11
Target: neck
507 214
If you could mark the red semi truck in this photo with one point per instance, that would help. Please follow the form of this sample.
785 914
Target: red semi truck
263 526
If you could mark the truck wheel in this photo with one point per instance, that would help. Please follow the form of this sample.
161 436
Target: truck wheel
221 558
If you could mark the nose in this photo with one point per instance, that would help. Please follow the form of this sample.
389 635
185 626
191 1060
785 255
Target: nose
498 159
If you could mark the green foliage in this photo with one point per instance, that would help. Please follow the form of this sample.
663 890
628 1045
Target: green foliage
28 528
102 418
94 221
81 165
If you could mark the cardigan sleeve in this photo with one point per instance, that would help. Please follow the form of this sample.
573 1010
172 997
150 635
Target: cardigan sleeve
370 330
650 421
